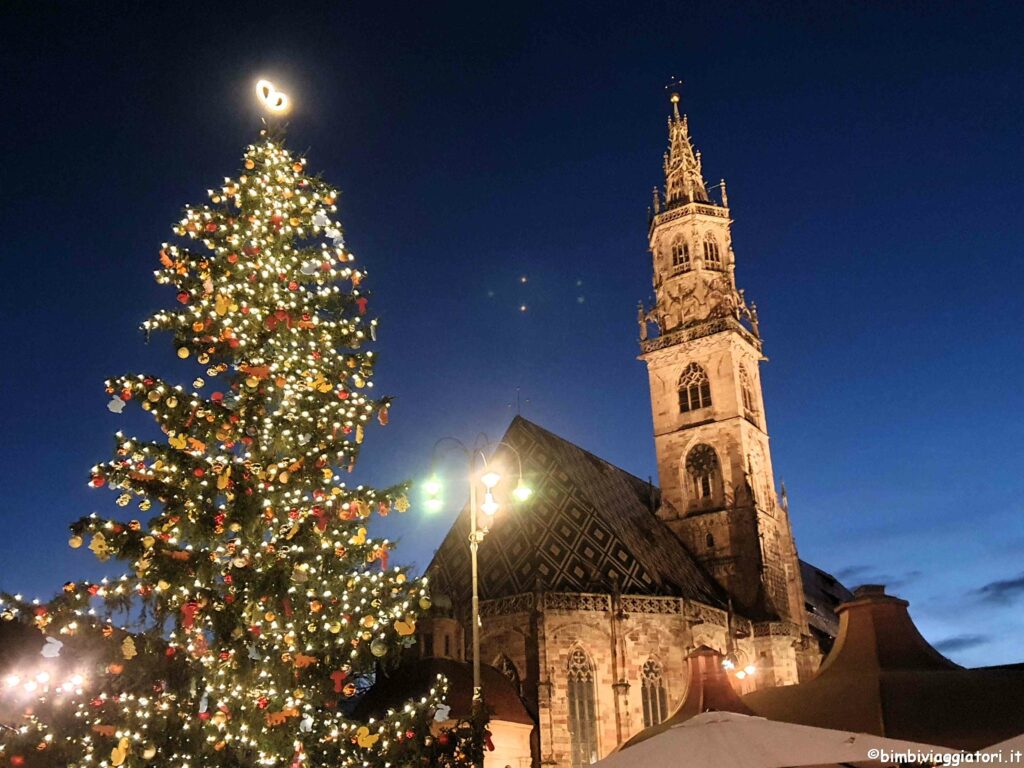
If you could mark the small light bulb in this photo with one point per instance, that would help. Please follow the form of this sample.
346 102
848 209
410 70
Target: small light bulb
490 479
750 669
740 675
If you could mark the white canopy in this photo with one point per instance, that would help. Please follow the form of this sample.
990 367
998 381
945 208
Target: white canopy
1016 744
728 740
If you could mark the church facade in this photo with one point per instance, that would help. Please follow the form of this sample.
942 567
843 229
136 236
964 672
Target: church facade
596 590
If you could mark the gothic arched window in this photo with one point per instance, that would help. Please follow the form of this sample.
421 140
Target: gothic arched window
747 391
694 389
711 257
680 255
582 709
652 692
702 469
709 540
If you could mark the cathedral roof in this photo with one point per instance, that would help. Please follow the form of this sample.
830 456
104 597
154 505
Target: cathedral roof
589 527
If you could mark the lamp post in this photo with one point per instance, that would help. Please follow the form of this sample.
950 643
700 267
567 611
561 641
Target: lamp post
485 474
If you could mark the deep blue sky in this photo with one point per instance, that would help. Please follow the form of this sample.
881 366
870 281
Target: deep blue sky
873 153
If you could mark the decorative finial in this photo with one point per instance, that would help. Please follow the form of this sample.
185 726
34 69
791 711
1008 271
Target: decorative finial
273 100
673 87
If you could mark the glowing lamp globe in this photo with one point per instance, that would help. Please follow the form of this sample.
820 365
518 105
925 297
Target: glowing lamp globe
522 491
490 506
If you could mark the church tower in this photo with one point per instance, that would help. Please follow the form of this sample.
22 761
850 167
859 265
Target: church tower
703 358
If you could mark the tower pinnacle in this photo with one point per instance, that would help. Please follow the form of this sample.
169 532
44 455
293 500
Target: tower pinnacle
684 182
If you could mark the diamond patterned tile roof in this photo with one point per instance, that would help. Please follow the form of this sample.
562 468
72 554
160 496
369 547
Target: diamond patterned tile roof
589 527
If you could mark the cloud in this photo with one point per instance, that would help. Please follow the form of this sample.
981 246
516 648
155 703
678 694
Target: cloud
961 643
1003 591
855 575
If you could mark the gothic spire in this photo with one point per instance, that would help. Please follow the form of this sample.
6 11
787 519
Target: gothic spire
684 182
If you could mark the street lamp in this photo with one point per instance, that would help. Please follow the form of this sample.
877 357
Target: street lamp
480 473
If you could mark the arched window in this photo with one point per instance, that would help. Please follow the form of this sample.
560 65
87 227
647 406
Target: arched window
702 468
711 258
694 389
652 691
507 667
747 390
582 709
709 540
680 255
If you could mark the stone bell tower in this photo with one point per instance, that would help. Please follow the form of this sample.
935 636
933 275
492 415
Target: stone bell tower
703 358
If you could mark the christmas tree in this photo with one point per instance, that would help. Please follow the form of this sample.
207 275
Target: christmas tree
256 607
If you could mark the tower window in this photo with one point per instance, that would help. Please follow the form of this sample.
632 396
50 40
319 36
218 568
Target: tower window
702 469
747 392
709 541
582 709
680 255
652 692
694 389
711 257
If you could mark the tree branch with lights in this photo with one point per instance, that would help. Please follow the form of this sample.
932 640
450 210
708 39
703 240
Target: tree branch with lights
256 606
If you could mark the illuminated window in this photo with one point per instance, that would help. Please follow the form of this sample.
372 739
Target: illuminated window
582 709
694 389
711 257
702 468
652 692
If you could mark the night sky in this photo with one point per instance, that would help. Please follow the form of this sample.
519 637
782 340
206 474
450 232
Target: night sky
873 153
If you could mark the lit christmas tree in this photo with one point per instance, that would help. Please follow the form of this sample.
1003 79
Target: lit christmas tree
258 606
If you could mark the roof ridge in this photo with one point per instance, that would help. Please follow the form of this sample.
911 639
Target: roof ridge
581 449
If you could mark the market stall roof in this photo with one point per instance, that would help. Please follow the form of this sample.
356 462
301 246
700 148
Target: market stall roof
732 740
882 677
707 690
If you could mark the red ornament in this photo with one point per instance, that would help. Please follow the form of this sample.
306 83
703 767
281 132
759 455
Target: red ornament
217 397
293 286
188 614
443 739
211 227
183 297
339 677
263 702
362 301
